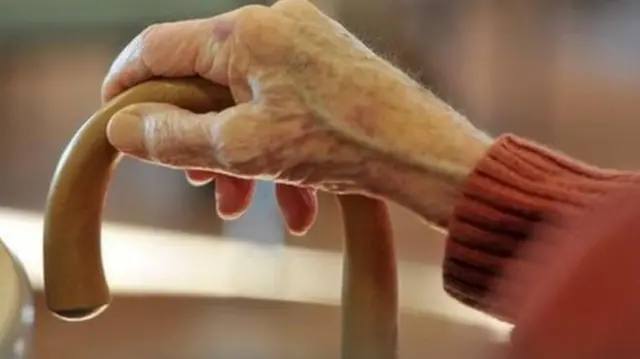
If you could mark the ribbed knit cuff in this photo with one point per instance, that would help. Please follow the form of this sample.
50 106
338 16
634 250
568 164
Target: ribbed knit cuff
516 186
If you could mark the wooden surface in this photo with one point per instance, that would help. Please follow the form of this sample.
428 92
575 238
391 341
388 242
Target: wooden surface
189 302
197 328
141 260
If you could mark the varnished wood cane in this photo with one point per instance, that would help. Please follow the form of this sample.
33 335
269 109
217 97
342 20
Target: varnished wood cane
75 285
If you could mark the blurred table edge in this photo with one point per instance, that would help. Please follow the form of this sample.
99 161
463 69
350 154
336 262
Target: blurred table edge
142 261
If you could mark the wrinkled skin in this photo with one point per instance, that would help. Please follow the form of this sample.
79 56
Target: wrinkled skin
316 109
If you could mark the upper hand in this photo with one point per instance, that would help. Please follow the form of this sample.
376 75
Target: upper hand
316 109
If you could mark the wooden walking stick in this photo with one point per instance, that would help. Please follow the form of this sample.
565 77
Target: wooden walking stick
75 286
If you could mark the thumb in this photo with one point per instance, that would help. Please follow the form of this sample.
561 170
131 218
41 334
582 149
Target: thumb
167 135
160 133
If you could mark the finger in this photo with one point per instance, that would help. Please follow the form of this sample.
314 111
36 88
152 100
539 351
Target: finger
241 140
233 196
199 178
175 49
299 207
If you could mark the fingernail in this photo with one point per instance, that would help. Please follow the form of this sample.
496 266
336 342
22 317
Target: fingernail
300 220
198 182
126 133
226 201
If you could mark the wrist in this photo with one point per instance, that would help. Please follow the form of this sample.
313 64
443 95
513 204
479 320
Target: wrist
420 151
427 185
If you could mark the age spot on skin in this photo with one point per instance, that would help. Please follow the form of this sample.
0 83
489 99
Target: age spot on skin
222 27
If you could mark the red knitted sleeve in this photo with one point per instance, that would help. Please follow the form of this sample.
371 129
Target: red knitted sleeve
516 186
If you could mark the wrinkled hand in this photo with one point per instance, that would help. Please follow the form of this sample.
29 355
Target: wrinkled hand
314 107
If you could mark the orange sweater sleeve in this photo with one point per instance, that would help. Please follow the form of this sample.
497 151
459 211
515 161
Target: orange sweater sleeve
582 299
516 186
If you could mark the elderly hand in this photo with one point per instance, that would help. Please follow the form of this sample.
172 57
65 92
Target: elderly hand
316 109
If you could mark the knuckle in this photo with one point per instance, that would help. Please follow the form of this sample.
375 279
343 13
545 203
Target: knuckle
253 12
253 18
149 32
290 5
263 32
146 39
281 4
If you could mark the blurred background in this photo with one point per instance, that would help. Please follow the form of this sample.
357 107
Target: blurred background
563 72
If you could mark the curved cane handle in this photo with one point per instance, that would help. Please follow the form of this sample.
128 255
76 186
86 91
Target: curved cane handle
75 286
